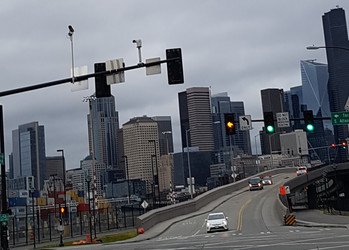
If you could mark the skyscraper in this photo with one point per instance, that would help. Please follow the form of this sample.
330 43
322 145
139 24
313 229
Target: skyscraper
240 142
314 89
315 98
336 35
272 101
165 134
28 153
195 115
141 147
294 105
105 125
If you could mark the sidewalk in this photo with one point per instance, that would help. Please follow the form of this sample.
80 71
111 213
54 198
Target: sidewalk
316 218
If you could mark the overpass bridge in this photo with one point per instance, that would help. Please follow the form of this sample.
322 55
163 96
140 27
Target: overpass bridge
318 186
324 187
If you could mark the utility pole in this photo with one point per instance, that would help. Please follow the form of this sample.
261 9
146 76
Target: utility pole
4 208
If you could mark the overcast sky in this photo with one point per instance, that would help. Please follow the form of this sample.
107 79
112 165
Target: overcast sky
238 47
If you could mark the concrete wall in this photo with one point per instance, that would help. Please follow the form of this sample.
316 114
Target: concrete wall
156 216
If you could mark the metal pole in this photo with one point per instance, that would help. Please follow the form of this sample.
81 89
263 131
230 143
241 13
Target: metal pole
64 179
271 154
153 185
70 34
128 178
33 208
4 209
232 157
88 180
189 168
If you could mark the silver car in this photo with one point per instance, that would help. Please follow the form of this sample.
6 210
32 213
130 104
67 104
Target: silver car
216 221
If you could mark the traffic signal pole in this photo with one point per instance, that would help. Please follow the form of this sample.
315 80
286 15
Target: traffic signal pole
4 208
83 77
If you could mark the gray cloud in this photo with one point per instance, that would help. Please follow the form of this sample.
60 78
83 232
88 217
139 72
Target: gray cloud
239 47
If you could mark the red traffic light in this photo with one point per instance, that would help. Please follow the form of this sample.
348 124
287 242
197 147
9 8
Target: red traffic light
62 210
333 145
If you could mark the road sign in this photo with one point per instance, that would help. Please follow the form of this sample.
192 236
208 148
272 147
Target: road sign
340 118
245 122
144 204
287 190
4 217
155 69
283 120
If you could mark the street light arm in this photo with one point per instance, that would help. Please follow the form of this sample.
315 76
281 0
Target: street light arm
326 47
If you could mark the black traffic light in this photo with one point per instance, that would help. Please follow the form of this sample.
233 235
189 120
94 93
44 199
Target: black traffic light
62 210
344 145
269 122
308 120
229 124
174 67
101 86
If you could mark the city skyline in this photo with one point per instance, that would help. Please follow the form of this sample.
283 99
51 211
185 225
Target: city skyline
238 50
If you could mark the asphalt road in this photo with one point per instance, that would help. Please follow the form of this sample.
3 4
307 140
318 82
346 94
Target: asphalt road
253 224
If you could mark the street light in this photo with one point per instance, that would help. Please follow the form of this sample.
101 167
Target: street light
156 167
88 180
90 99
128 178
325 47
70 34
63 166
189 168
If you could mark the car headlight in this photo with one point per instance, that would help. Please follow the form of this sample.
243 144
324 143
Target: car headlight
250 185
225 223
208 224
259 184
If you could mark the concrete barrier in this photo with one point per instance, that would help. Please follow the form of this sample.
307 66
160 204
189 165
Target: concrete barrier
156 216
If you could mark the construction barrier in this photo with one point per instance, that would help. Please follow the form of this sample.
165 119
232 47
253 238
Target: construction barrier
290 220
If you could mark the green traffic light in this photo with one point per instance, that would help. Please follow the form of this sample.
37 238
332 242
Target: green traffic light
310 127
270 129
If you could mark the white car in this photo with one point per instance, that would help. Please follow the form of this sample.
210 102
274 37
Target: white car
216 221
301 170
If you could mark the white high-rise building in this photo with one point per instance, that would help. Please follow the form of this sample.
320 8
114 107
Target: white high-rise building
141 147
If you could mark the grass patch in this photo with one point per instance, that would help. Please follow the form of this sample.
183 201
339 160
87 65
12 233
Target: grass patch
105 239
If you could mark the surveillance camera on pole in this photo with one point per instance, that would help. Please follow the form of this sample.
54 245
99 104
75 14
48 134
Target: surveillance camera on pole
139 46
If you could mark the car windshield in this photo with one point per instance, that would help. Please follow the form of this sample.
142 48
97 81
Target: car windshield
255 180
215 216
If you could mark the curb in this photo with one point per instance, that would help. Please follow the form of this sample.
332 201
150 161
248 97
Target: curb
314 224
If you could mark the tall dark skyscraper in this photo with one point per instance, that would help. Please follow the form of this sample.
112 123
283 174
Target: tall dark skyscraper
272 101
28 153
336 35
221 105
195 114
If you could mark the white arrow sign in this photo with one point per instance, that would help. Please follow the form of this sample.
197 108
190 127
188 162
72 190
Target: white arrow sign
245 122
